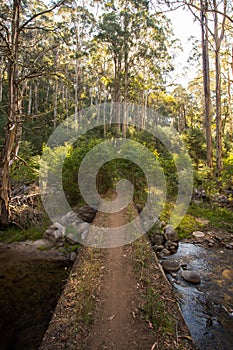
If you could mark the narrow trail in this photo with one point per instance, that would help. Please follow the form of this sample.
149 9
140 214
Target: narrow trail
119 293
115 324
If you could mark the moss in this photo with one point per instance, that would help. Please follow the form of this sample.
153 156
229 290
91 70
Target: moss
188 225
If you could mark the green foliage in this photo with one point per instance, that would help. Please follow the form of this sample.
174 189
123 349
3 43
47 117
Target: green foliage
217 217
188 225
227 174
25 169
14 234
196 143
156 312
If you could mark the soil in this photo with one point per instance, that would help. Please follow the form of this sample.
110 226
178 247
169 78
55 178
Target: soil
118 320
116 325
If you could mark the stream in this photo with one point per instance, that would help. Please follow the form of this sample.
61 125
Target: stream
30 285
207 307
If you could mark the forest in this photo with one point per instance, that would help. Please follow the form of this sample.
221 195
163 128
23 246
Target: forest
58 59
96 126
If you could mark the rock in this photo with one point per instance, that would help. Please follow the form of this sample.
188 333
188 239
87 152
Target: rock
74 226
198 235
84 235
156 239
43 243
160 247
73 238
166 252
170 234
73 256
69 218
227 274
170 266
168 244
173 249
86 213
55 233
184 266
84 226
228 246
162 224
210 245
191 277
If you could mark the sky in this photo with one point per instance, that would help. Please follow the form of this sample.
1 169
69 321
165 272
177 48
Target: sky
184 27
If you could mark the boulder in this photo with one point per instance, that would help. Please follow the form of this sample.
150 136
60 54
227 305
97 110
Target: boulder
84 235
166 252
70 217
86 213
156 239
170 234
84 226
191 277
55 233
73 238
170 266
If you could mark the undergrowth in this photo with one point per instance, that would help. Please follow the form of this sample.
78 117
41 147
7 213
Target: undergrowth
200 216
154 309
15 234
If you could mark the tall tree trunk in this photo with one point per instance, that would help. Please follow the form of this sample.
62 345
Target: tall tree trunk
126 72
13 118
206 81
229 104
117 93
55 93
30 100
1 76
217 41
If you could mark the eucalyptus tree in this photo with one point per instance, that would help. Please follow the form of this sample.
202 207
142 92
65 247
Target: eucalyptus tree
17 21
121 28
215 18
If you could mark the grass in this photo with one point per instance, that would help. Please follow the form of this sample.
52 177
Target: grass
156 313
154 309
201 216
220 218
159 307
14 234
86 286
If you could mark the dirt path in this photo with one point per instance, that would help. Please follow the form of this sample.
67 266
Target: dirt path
115 324
117 319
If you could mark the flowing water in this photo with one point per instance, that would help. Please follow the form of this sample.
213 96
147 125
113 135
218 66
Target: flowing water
207 307
29 290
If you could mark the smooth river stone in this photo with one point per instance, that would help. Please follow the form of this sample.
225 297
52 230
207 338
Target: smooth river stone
227 274
198 234
170 266
191 277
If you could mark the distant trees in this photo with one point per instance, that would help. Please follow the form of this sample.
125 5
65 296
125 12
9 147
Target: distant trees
17 21
215 18
55 61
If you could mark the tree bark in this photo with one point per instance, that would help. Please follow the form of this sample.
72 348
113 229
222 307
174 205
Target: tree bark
13 118
218 37
206 81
